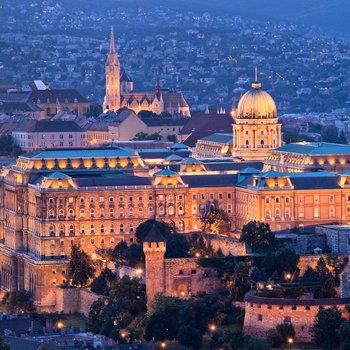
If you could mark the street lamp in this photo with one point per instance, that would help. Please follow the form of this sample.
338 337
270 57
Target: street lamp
163 345
290 342
60 325
288 276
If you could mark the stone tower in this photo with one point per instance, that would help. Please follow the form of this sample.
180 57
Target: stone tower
154 247
112 98
256 130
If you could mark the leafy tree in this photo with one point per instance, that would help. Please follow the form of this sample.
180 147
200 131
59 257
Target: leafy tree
190 336
141 136
274 338
327 282
326 329
102 284
119 250
216 222
143 229
134 254
177 246
238 284
3 345
230 340
199 246
257 235
280 262
330 134
20 301
285 330
8 147
94 110
80 267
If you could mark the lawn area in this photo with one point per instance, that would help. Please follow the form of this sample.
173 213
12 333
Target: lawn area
74 320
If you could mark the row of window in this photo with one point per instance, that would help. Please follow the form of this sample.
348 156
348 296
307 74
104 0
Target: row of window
92 229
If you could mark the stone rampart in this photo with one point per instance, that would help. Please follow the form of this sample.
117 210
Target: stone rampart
263 314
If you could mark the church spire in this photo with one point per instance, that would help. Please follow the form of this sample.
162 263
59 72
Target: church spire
111 41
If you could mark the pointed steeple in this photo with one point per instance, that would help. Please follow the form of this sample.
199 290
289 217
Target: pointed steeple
111 41
256 85
207 110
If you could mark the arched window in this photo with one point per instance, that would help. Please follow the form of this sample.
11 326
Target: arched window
82 200
262 143
267 214
181 210
181 226
161 210
111 199
112 228
52 230
171 210
277 214
71 213
51 213
92 229
140 212
111 212
92 213
61 213
150 211
71 230
287 214
247 143
82 213
131 211
102 229
82 229
131 228
61 230
121 212
102 213
121 228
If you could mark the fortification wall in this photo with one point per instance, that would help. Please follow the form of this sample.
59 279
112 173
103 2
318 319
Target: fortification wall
228 245
71 300
263 314
185 278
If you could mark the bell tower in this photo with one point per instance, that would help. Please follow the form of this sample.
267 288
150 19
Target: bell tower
112 98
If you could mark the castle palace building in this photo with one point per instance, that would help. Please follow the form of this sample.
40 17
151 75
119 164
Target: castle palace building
96 197
120 92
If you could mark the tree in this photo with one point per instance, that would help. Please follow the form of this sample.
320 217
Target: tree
280 262
119 250
216 222
103 283
190 336
20 301
80 267
177 246
286 331
141 136
134 254
238 284
326 329
331 134
257 235
230 340
8 147
143 229
199 246
327 282
3 345
94 110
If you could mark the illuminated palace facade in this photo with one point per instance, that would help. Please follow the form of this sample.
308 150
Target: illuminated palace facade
52 199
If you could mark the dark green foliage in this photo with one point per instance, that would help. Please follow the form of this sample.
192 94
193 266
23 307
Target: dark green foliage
119 250
285 330
327 282
331 134
177 246
309 276
80 267
274 338
278 263
101 285
257 235
326 329
94 110
199 246
4 345
230 340
126 302
144 228
134 254
8 147
141 136
216 222
20 301
238 283
190 336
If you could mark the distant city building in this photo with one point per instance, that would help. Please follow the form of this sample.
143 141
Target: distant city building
34 134
120 93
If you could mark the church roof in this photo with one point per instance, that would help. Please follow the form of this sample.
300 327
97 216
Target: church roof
125 77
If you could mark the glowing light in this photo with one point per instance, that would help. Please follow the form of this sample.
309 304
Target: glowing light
212 327
60 325
182 293
288 276
163 345
197 255
290 340
139 271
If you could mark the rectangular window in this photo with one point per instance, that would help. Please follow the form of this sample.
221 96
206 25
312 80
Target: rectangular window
316 212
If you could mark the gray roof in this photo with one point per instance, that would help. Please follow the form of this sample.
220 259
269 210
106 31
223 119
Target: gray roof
219 138
48 126
154 235
315 148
